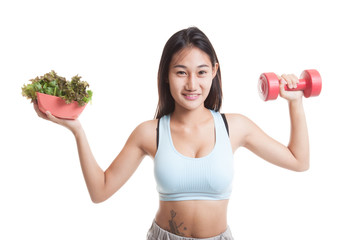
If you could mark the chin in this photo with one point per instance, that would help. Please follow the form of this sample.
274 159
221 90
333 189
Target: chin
191 107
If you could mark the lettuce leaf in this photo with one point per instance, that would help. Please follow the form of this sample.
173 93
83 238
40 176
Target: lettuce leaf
55 85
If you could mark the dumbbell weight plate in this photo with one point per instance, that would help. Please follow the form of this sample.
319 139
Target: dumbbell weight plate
313 83
268 86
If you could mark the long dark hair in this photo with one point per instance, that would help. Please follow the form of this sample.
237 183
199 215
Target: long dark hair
187 37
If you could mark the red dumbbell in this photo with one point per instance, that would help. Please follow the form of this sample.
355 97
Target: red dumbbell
269 85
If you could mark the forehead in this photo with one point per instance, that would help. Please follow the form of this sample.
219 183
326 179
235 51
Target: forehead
189 56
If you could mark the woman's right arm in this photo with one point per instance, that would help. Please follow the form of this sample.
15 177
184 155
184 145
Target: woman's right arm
101 185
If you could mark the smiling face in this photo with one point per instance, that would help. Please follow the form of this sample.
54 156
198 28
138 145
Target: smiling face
190 77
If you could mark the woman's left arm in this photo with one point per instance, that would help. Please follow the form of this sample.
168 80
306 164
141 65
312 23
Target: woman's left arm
295 156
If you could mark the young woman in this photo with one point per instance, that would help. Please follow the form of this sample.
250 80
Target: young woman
192 144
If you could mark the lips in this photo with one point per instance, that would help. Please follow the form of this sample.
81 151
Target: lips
191 96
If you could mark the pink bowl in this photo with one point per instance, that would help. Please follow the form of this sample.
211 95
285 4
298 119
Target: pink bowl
58 107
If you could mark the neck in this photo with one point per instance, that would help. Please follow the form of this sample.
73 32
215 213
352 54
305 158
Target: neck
189 117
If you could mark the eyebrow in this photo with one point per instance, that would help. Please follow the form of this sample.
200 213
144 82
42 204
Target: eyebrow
183 66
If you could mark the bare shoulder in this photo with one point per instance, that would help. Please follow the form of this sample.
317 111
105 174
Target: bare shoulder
145 135
147 127
238 120
239 127
236 117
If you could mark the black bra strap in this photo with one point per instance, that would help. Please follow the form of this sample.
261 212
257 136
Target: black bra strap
226 123
157 133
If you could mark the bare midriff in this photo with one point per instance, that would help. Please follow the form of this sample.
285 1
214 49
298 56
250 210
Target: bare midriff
193 218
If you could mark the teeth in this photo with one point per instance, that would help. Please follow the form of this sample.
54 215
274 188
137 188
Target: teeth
192 95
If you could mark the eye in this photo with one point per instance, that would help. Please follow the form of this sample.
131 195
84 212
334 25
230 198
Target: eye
181 73
202 72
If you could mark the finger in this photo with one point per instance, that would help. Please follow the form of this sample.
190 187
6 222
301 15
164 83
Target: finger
294 80
281 79
39 112
282 84
287 78
52 117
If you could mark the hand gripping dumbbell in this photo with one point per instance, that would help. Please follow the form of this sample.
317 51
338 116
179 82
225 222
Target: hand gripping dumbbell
269 85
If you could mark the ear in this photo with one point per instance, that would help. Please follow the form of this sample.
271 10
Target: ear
215 69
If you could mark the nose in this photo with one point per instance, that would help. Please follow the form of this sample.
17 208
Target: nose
191 84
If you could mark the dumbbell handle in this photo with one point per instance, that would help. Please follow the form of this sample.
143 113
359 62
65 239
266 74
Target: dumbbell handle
300 86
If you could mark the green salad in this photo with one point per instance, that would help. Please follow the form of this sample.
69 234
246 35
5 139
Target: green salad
55 85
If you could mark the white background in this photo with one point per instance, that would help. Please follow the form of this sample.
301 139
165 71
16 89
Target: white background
116 47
